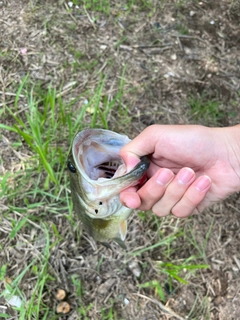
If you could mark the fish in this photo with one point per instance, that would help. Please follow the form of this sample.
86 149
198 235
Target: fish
97 175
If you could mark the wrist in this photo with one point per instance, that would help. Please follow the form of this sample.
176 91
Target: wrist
233 145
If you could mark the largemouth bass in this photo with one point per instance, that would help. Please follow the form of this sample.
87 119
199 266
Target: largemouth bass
97 176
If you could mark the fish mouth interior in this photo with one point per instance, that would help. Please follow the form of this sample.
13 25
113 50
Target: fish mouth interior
100 165
108 169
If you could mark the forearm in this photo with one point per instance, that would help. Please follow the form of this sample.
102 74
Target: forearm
233 145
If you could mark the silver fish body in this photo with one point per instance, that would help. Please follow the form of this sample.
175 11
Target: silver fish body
97 176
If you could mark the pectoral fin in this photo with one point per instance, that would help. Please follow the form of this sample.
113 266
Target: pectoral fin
123 230
122 234
107 245
120 243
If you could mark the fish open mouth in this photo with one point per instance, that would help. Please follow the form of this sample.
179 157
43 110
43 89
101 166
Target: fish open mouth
96 153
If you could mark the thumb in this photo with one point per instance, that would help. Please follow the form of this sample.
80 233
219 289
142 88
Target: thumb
129 158
143 144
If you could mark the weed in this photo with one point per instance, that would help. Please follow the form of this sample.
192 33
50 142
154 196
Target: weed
173 270
205 110
183 30
102 6
78 285
170 269
200 308
156 286
107 7
200 247
83 311
109 313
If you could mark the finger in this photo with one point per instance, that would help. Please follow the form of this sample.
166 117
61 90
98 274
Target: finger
154 188
192 197
174 192
129 198
152 170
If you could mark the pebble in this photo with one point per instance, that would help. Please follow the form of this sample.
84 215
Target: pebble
135 268
103 47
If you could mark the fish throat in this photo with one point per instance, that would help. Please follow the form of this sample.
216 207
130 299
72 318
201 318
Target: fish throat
107 169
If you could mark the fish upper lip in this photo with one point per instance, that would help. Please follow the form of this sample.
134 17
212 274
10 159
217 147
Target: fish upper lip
141 167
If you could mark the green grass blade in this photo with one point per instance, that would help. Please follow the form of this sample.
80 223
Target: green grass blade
47 166
5 127
5 316
17 227
165 241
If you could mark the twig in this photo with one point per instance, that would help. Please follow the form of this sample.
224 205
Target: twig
179 43
236 261
28 220
220 248
66 89
102 67
93 245
39 255
11 94
15 152
146 46
7 23
5 103
161 306
188 37
89 18
66 6
231 206
141 27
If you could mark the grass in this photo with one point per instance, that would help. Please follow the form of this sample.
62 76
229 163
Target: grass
206 110
108 7
172 271
43 131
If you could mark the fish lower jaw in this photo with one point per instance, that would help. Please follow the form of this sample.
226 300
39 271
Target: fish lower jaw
97 216
111 216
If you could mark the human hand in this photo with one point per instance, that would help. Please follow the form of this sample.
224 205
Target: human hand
191 168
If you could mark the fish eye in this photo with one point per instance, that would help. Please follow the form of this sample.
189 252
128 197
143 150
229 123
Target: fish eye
71 167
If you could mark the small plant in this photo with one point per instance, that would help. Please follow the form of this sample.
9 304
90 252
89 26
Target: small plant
205 110
109 313
173 271
78 286
183 30
102 6
156 286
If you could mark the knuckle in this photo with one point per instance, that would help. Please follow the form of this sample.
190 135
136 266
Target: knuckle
158 212
181 212
145 206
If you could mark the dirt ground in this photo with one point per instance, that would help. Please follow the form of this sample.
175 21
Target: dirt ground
177 53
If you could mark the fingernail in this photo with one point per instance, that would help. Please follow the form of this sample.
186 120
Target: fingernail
203 183
164 177
185 175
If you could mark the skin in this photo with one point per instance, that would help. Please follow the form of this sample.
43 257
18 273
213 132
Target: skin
191 168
